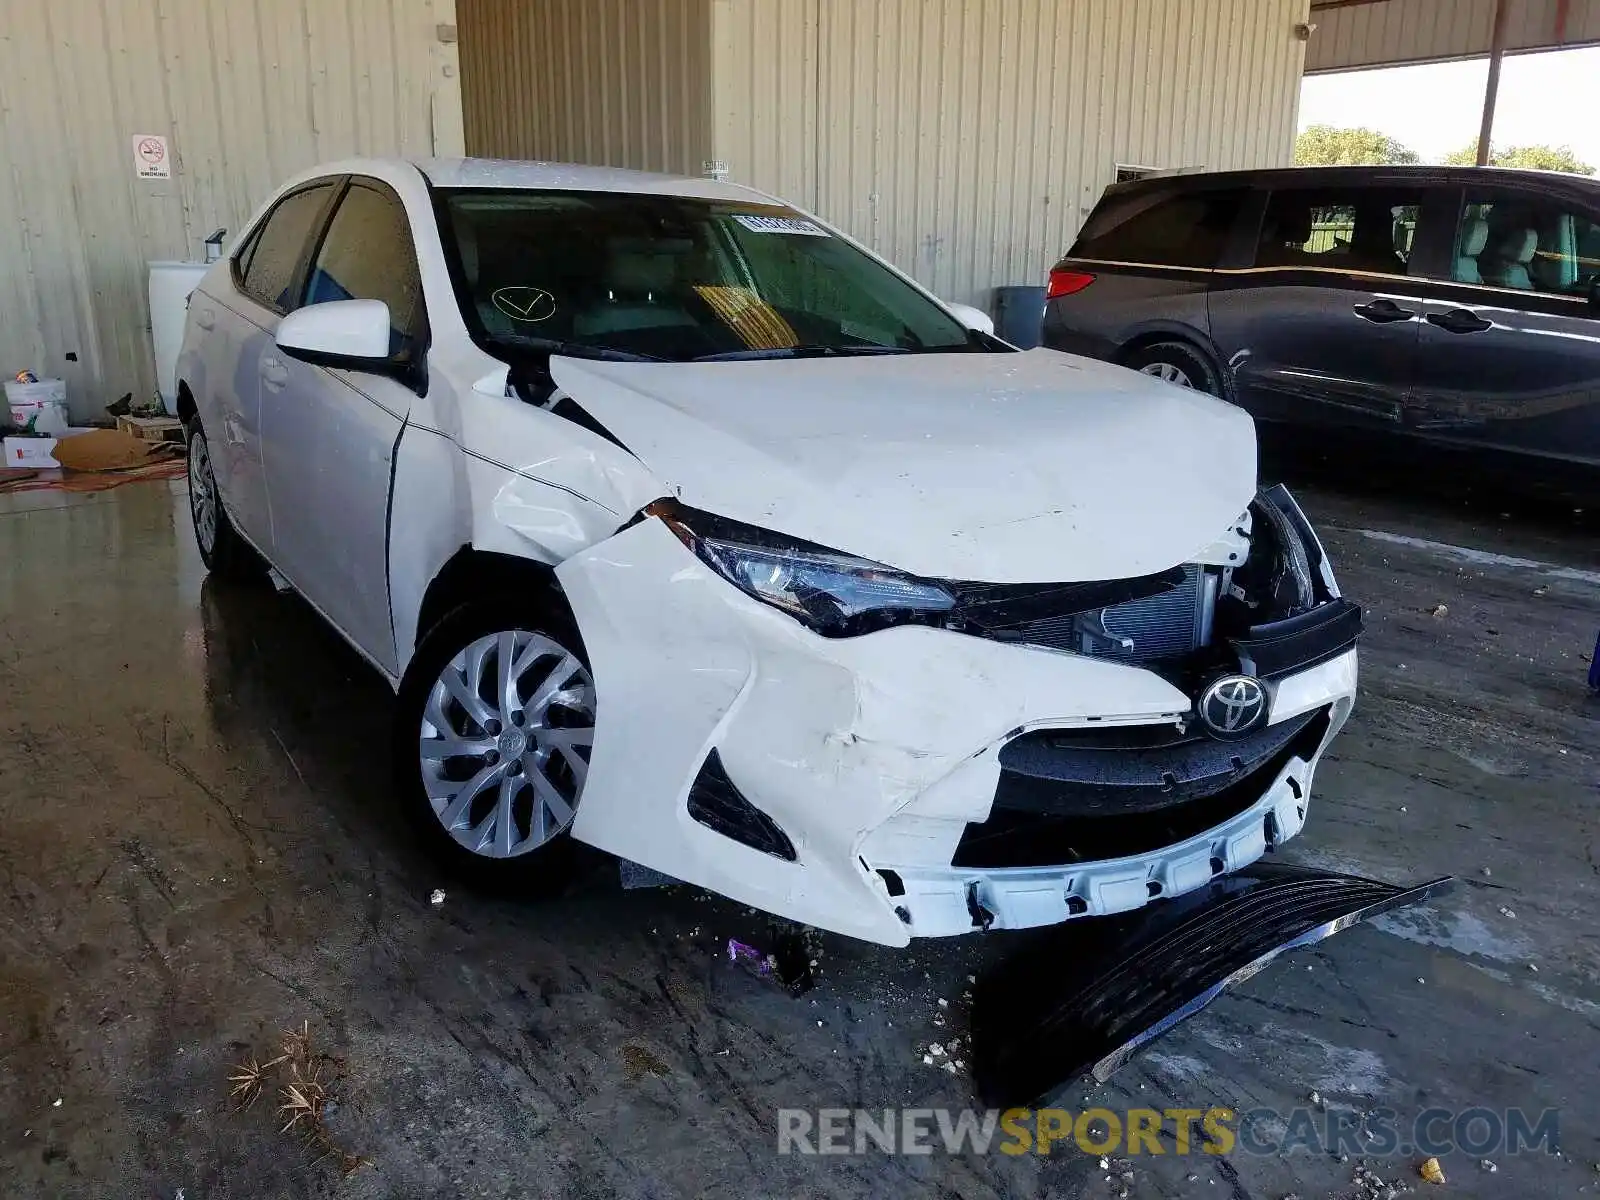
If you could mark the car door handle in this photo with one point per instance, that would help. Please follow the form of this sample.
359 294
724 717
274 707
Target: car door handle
274 374
1383 311
205 318
1460 320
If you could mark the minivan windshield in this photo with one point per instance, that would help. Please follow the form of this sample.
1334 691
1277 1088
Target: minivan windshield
678 278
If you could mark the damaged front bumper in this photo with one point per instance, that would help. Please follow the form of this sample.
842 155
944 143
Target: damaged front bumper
853 783
1080 1000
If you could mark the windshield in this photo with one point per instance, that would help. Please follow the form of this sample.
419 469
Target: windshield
675 278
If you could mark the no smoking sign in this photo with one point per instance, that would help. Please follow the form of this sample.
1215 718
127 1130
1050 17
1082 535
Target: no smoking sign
150 157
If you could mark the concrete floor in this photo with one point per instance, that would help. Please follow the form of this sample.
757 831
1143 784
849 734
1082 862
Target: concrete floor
197 850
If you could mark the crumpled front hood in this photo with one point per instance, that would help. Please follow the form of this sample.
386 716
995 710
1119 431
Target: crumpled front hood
1006 468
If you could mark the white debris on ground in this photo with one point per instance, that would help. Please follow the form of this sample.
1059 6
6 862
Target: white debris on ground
1374 1187
436 897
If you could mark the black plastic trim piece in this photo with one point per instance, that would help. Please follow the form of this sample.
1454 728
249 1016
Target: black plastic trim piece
1297 643
1081 997
1102 772
716 803
1024 838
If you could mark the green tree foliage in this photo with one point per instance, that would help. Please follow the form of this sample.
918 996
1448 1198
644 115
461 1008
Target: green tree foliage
1327 146
1536 158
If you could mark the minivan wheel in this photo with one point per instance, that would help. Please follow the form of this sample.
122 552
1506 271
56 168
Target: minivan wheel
493 729
225 554
1179 363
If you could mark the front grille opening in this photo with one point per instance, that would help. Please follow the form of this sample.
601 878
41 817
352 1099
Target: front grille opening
1168 625
1021 838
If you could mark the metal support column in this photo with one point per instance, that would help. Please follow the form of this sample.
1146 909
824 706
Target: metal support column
1497 50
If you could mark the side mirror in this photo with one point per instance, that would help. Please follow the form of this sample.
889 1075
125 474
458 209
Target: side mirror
353 334
972 318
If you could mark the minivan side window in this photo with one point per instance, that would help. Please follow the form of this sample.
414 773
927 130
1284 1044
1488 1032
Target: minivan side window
368 255
1349 229
1512 240
1176 229
266 266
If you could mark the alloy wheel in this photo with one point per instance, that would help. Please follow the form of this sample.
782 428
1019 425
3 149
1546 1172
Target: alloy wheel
506 735
202 494
1168 372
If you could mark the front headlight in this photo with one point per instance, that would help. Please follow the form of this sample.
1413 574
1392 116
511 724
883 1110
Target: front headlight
836 595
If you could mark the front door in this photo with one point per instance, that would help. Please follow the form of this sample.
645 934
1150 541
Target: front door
240 321
1509 356
330 434
1323 325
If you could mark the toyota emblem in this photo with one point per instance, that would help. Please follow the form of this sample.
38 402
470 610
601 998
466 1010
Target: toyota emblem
1233 706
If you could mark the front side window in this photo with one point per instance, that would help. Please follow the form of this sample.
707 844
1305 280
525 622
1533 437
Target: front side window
1529 243
673 277
1350 229
267 265
368 255
1187 229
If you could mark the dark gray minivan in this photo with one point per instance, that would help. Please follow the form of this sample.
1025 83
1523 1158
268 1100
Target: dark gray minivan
1460 304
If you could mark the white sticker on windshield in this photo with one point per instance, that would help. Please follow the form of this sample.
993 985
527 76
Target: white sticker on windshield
780 225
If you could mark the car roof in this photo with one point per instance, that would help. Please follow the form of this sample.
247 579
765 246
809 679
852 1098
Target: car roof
1270 177
574 177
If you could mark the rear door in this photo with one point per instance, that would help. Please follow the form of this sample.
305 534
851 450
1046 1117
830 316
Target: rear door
1321 325
330 434
1509 356
1140 266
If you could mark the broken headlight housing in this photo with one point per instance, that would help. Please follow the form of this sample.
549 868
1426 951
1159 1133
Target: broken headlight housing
834 594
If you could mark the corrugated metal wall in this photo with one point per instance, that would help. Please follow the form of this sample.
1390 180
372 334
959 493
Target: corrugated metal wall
624 83
966 139
1386 32
247 91
765 61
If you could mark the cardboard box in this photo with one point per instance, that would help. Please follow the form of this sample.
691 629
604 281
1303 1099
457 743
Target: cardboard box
152 429
37 452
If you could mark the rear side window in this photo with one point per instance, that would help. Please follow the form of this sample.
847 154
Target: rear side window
368 255
1184 229
268 263
1350 229
1531 243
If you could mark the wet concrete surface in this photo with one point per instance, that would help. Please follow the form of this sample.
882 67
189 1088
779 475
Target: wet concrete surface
198 850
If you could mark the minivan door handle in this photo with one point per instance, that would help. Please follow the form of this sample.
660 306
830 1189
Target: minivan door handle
1460 320
1383 311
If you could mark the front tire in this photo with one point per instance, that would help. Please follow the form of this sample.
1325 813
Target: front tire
1177 363
493 728
225 554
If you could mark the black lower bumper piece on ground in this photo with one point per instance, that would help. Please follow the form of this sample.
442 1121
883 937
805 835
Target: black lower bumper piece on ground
1081 997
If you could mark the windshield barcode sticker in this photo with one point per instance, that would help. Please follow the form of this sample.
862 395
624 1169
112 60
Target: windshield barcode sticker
780 225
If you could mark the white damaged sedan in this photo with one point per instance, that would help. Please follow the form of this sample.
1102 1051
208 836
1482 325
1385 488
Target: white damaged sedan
687 528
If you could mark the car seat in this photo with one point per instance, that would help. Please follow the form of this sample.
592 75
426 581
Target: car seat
1474 237
639 290
1372 243
1284 237
1513 251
